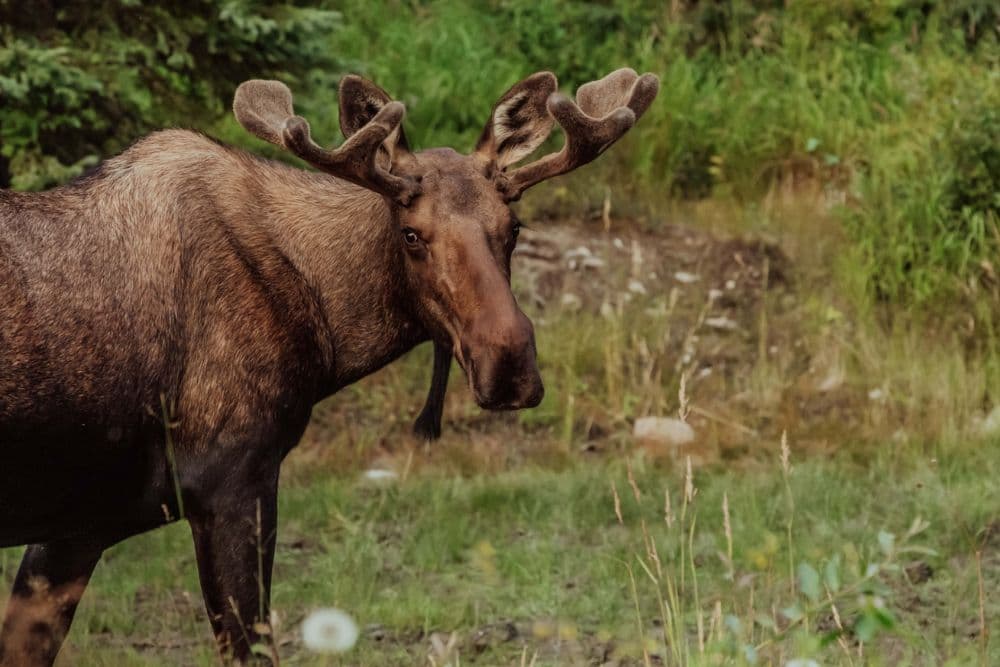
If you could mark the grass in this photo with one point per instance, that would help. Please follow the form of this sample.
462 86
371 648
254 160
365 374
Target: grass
543 551
888 107
503 539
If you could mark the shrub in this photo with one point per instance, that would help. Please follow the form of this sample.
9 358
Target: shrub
80 80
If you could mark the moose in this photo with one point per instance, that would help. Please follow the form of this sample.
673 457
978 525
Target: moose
168 321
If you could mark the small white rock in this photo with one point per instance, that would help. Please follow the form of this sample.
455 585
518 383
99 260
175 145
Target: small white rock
592 263
636 287
664 430
833 380
723 323
577 253
618 243
571 301
730 284
686 278
876 394
714 294
991 423
379 475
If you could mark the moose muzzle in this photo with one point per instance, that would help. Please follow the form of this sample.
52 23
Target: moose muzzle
500 360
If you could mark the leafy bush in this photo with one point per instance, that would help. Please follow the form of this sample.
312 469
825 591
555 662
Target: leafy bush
81 79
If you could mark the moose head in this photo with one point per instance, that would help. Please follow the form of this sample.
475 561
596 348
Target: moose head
456 230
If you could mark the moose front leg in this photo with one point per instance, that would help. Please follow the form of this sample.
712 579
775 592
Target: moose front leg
428 422
47 590
234 542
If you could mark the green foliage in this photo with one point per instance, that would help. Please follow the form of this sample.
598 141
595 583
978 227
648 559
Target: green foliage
80 80
889 104
930 199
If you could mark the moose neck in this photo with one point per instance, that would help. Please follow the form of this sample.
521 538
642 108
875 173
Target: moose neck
343 241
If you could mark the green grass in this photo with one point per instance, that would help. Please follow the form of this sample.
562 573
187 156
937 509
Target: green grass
887 107
545 551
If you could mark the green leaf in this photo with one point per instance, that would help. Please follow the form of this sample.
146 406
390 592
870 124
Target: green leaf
764 621
831 573
830 637
884 617
886 542
809 581
793 613
865 627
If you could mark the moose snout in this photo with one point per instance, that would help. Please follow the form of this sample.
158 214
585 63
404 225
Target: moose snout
501 363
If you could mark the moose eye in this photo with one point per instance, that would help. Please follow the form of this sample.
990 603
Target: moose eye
411 237
515 230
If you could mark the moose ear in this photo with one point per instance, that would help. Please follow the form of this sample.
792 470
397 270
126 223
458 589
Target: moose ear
360 101
520 121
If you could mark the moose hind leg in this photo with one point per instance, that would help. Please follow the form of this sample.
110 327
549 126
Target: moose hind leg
235 549
47 590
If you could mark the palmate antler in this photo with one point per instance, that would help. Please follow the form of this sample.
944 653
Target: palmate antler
604 110
265 109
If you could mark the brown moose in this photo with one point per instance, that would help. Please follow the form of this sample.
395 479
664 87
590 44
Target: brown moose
168 321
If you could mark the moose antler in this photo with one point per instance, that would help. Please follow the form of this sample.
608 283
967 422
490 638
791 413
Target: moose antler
604 110
264 108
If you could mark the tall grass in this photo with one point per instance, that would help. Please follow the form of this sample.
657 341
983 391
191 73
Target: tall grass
887 106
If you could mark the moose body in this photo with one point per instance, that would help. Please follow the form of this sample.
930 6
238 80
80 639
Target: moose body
168 321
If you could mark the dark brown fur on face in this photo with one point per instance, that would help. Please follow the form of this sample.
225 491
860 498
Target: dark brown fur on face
168 322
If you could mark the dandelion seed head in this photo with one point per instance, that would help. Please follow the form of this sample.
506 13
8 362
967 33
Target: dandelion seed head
329 631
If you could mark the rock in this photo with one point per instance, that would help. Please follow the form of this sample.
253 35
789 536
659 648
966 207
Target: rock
833 381
668 431
380 476
721 323
673 439
636 287
581 257
686 278
571 301
991 423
